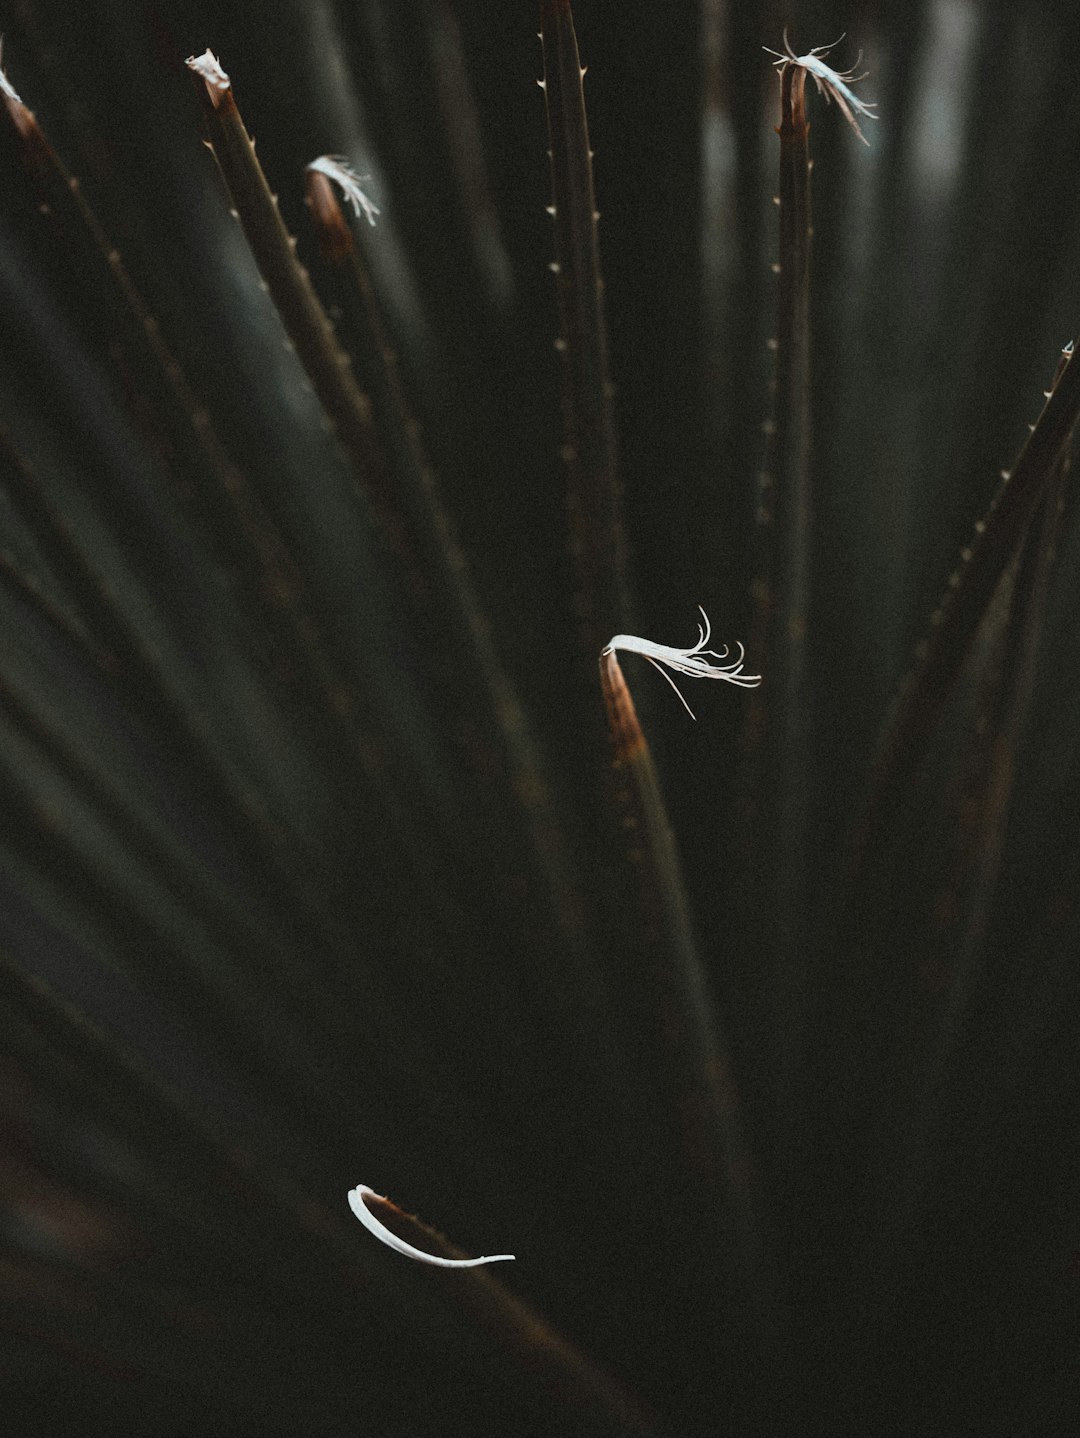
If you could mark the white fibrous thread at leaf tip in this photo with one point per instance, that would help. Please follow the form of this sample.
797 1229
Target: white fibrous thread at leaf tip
208 68
833 84
6 87
338 169
357 1202
694 662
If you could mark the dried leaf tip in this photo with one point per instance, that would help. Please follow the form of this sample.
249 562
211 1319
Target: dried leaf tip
208 69
694 662
833 84
358 1197
338 169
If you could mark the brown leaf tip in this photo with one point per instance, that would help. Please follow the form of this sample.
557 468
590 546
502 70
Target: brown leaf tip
626 735
331 228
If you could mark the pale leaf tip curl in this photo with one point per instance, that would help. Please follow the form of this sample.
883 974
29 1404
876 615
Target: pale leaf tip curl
208 68
338 169
697 662
358 1197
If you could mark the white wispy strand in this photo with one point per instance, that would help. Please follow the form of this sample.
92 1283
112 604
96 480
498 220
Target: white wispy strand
833 84
357 1197
694 662
338 169
6 87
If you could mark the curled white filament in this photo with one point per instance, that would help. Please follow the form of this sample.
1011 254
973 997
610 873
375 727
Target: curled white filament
697 661
358 1204
833 84
338 169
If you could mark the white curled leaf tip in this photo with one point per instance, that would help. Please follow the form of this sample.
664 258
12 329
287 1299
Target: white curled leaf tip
338 169
833 84
208 68
694 662
6 87
358 1205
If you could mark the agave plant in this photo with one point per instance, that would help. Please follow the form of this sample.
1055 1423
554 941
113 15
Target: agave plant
333 865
